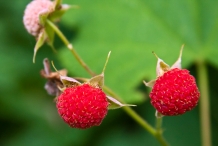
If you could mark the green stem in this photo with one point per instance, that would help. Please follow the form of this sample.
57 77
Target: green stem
157 133
69 46
204 103
159 123
159 137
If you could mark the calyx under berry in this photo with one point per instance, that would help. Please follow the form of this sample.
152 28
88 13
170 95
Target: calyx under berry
96 82
174 92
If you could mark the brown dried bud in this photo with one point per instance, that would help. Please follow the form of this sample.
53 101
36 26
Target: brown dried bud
53 79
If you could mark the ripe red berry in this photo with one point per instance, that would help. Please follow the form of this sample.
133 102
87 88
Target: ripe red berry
175 92
82 106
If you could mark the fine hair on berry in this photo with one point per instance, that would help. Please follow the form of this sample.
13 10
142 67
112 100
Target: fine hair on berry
82 106
175 92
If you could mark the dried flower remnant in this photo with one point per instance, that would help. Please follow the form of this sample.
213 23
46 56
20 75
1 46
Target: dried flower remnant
53 79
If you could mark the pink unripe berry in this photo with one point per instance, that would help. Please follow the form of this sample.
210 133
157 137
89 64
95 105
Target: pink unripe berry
32 12
175 92
82 106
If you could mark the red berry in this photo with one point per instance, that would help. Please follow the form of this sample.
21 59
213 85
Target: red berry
82 106
175 92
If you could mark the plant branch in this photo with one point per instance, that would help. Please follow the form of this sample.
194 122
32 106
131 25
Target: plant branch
159 137
156 133
204 103
159 124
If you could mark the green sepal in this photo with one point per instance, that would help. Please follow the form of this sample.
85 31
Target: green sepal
57 14
161 67
149 84
50 36
69 82
115 104
40 41
158 115
57 3
42 18
177 64
97 81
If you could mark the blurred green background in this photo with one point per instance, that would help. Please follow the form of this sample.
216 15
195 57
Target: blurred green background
131 30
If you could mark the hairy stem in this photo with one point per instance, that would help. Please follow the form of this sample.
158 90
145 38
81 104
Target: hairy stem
204 103
70 47
159 132
159 124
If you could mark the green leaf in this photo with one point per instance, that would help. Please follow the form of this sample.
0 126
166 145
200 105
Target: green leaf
132 30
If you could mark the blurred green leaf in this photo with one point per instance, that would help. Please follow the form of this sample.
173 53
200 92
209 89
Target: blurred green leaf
132 30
